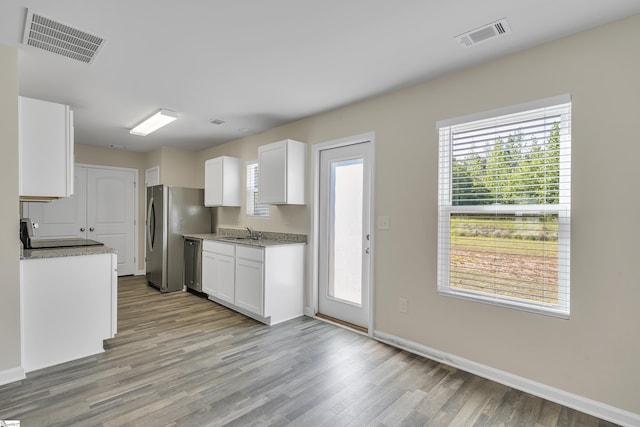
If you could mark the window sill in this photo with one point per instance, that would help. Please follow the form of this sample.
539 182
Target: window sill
506 303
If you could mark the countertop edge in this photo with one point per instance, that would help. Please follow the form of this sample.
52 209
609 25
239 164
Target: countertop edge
262 243
31 254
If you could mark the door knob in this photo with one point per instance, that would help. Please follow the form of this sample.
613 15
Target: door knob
82 229
91 228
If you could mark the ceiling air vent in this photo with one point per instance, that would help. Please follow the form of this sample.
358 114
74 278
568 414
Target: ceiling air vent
56 37
485 33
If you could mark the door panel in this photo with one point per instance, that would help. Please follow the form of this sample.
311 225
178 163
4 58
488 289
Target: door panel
110 213
218 276
250 285
344 233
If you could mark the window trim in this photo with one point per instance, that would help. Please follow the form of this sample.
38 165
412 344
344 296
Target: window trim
562 209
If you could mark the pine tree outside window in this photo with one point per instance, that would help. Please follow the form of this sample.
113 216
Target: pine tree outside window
504 206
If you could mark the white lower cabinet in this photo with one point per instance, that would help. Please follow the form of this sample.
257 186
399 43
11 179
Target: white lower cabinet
263 283
218 270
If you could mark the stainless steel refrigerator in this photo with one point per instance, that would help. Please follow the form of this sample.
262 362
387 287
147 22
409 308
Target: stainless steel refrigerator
172 212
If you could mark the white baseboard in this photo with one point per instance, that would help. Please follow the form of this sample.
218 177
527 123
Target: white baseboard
565 398
308 311
11 375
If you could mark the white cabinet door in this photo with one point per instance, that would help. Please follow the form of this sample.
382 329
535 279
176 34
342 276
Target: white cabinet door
272 169
223 181
208 272
250 285
45 149
218 276
213 182
282 170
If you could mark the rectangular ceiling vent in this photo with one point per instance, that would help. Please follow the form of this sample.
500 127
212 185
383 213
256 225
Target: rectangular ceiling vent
484 33
56 37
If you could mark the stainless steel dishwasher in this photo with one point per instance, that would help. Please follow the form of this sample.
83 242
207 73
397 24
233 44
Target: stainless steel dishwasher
193 263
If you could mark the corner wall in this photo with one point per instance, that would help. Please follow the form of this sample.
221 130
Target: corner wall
10 358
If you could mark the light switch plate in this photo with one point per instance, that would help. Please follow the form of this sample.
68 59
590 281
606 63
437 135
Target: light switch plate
383 222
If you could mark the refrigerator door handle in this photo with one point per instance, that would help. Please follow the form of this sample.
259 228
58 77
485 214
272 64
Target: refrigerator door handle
151 223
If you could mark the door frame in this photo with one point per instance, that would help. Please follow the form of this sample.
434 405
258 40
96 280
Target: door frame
136 197
316 149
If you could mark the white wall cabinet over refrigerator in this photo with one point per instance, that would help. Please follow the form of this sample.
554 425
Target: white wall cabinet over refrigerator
45 149
223 181
282 169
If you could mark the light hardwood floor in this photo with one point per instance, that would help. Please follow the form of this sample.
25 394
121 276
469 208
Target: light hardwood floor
181 360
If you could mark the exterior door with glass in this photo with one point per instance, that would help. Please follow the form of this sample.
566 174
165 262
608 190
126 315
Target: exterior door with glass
344 233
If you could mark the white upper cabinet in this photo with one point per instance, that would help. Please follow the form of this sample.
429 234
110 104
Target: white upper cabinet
223 181
282 168
45 149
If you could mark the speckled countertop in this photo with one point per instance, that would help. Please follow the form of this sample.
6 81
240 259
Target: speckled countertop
65 252
269 238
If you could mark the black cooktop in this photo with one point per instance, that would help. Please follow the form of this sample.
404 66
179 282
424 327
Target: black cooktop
63 243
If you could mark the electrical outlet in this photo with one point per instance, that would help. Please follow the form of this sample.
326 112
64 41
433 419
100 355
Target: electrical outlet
403 305
383 222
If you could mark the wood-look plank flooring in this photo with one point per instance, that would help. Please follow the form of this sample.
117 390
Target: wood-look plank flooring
181 360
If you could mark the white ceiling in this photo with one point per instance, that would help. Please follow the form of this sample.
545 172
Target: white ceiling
258 64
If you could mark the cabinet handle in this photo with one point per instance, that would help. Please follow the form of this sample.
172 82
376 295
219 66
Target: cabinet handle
82 229
91 228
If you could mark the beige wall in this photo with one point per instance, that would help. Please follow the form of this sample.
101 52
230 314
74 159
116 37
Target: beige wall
595 354
9 212
177 168
91 155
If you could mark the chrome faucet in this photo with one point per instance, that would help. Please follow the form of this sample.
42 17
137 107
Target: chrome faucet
252 234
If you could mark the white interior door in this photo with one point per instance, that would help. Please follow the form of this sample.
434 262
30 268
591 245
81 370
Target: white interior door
344 233
111 213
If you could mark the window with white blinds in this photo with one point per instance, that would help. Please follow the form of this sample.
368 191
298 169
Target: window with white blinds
253 207
505 205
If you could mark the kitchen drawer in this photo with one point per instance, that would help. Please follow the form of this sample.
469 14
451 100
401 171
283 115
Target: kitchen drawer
218 247
252 254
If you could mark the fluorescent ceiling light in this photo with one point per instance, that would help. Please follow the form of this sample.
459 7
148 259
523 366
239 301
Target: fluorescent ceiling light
155 122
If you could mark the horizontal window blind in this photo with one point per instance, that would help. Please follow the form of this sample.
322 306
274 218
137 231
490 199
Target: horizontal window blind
504 209
253 207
